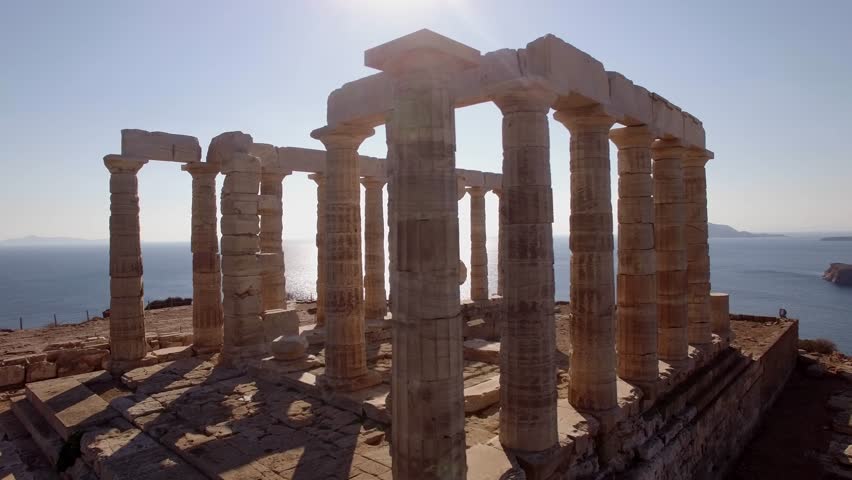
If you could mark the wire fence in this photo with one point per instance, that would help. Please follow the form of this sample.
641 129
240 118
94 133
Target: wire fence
43 320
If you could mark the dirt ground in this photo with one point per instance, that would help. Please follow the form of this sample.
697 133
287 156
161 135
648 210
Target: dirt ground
162 321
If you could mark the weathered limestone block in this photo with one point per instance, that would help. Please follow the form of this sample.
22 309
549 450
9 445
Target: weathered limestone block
12 375
280 322
160 146
592 360
223 146
568 69
697 247
637 280
345 347
40 371
127 324
478 251
291 347
375 298
428 437
482 395
721 316
528 340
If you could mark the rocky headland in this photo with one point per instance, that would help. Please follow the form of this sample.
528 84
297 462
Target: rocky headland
839 274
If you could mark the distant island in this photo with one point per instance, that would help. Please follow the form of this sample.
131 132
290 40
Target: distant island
716 230
836 239
35 241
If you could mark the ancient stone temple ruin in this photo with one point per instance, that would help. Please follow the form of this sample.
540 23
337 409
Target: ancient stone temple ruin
416 382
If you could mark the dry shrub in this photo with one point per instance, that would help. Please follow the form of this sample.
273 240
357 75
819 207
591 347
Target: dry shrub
819 345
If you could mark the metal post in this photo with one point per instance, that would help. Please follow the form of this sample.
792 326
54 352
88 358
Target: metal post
54 320
21 320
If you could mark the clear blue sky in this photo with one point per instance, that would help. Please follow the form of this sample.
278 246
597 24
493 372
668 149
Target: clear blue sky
770 80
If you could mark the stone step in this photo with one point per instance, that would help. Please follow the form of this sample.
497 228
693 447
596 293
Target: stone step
68 405
44 436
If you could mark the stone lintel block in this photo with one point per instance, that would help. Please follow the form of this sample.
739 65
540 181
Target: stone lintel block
160 146
633 101
693 131
471 178
668 118
578 78
224 145
423 49
493 181
496 69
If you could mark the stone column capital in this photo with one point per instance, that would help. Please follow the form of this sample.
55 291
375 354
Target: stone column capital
477 191
594 117
696 157
318 177
639 136
373 182
342 136
498 192
668 148
123 164
523 95
201 169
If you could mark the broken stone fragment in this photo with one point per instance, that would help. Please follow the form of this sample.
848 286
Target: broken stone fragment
292 347
223 146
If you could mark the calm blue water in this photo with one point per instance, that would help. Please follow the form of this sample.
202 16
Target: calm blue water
761 274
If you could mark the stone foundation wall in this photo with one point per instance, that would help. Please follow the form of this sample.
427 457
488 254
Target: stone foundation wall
73 357
698 429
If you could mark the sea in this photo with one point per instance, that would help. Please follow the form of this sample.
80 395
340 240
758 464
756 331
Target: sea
40 285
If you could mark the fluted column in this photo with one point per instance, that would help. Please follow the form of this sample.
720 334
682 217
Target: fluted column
345 344
241 278
697 247
319 178
428 439
127 318
528 340
501 242
375 298
478 251
672 340
637 261
271 208
592 330
207 319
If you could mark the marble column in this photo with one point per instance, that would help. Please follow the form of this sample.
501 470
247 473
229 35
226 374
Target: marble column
126 318
501 242
528 340
637 261
592 297
389 169
241 278
273 282
697 248
672 340
345 344
478 251
319 178
428 437
375 298
207 319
